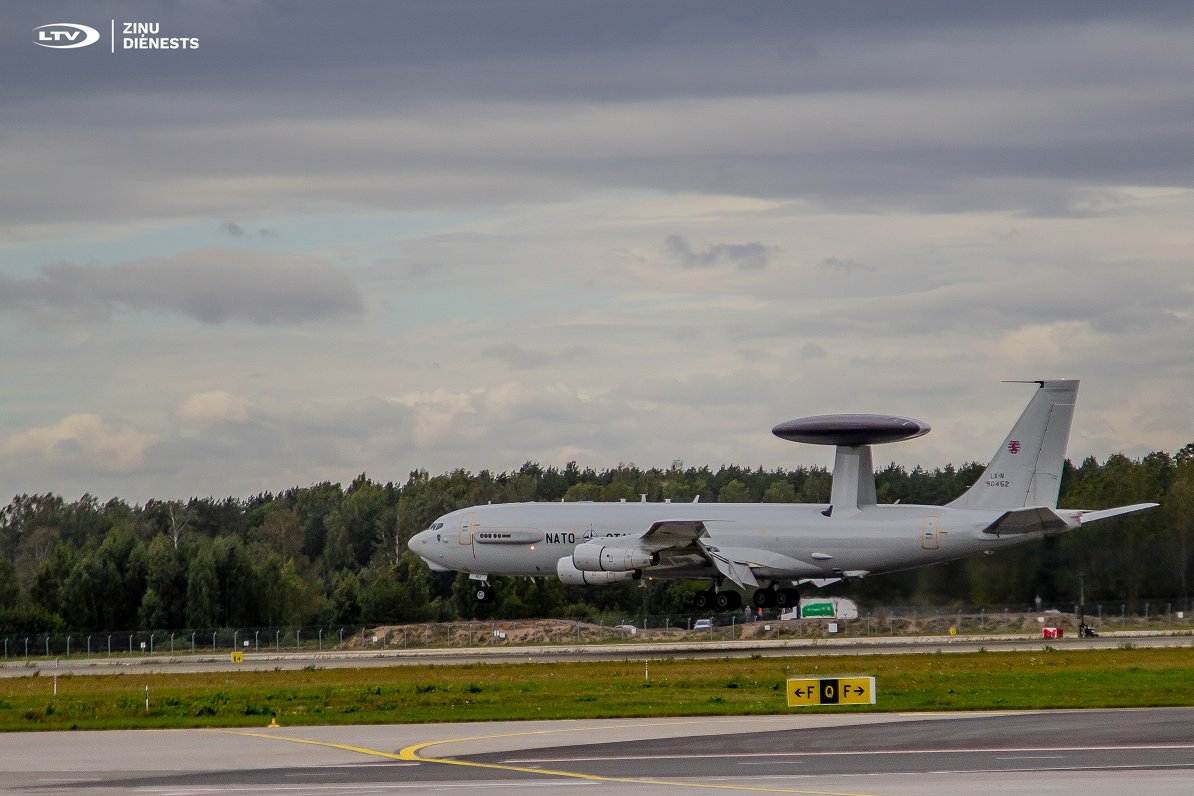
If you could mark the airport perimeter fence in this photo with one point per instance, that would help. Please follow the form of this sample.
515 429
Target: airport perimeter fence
1174 615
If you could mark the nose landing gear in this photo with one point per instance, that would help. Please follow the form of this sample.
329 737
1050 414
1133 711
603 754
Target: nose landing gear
482 591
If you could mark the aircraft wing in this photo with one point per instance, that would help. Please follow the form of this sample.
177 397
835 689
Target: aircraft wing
678 541
685 543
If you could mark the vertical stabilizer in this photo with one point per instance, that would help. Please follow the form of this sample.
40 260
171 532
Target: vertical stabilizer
1026 470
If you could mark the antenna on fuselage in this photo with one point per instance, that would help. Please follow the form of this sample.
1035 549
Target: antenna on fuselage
853 435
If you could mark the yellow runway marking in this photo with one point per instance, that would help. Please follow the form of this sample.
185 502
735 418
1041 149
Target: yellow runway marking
411 753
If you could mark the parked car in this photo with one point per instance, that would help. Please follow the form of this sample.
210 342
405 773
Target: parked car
702 624
629 630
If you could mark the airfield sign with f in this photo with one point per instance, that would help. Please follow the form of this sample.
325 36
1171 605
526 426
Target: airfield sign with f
809 691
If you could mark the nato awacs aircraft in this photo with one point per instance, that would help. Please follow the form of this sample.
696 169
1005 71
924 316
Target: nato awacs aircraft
771 549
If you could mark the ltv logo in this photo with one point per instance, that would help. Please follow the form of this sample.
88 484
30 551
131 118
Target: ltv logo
65 35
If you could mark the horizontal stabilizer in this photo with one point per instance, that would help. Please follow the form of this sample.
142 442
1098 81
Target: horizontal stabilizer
1030 520
1038 519
1103 514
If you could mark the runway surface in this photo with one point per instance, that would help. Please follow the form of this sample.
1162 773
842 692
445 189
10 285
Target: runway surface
871 645
1051 752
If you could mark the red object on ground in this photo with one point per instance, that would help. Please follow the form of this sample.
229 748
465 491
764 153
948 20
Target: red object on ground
1052 632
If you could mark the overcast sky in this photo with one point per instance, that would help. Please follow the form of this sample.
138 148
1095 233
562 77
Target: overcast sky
379 236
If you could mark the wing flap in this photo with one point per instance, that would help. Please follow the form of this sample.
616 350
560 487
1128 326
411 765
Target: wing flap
672 533
737 571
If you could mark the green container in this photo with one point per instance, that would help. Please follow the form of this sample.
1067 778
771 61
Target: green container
816 609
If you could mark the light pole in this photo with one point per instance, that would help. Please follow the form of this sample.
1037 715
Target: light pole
1081 600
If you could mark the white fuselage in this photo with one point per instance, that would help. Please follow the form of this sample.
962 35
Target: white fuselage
784 541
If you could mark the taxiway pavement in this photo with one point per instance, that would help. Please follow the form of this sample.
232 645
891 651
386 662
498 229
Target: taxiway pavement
1039 752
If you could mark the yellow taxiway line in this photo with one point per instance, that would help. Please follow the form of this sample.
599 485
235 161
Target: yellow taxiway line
411 754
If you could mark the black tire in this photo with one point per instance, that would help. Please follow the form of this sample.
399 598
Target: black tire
483 594
723 600
786 598
702 600
764 598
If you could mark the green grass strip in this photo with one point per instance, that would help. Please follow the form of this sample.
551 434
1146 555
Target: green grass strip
553 690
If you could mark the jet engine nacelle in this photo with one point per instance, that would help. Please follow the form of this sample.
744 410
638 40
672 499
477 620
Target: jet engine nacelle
600 558
571 576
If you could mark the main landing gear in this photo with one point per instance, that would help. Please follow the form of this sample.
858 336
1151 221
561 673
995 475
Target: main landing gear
776 598
721 600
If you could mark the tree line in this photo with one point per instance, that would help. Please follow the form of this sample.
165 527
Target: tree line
327 554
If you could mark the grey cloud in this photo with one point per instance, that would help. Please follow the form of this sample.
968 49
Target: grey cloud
694 390
235 230
585 50
844 265
743 256
1108 298
212 285
811 350
520 358
796 104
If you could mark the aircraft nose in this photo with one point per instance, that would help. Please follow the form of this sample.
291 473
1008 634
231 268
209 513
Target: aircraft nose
418 540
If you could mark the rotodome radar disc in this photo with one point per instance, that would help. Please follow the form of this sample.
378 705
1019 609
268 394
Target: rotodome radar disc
850 429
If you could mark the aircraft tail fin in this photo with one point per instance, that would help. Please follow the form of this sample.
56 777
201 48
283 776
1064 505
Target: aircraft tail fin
1026 470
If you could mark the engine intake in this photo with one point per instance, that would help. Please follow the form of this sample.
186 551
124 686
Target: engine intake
602 558
571 576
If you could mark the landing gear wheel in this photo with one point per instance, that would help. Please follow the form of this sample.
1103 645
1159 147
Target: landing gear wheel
703 600
786 598
764 598
728 600
484 593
